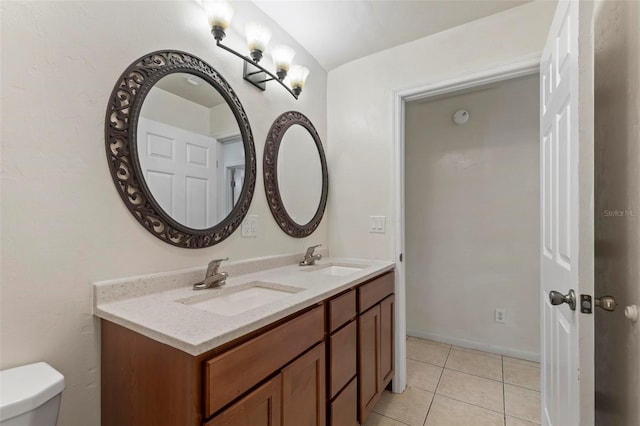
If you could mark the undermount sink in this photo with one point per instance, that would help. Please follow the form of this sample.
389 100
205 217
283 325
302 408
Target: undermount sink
238 299
335 269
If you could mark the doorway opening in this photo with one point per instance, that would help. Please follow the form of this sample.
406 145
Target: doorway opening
476 81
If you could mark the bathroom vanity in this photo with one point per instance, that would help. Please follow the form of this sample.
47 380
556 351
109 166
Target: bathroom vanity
319 353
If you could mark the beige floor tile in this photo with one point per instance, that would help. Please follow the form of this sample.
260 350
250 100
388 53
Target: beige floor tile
522 403
409 407
522 375
427 351
375 419
475 363
474 390
475 351
512 421
508 359
423 376
449 412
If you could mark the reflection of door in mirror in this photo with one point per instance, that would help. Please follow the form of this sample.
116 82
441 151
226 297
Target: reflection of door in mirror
187 138
172 158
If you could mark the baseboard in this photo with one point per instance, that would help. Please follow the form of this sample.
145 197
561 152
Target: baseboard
471 344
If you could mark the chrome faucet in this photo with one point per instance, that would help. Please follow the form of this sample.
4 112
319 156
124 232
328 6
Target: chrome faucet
309 257
213 278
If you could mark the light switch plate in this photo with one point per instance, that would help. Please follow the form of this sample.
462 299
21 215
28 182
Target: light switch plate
377 224
250 226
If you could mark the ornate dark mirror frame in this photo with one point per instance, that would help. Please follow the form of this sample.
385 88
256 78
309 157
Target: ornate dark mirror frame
270 166
121 125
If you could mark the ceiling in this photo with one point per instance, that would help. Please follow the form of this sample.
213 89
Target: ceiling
191 88
337 32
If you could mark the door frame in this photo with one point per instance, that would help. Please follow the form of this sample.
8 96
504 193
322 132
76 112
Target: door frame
517 67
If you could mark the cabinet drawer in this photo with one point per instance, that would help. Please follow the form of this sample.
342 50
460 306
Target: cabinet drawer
374 291
344 409
232 373
342 309
342 357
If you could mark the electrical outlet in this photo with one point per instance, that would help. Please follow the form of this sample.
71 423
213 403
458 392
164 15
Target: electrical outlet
250 226
501 315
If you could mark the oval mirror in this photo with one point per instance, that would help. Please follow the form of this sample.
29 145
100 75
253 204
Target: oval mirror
181 150
295 174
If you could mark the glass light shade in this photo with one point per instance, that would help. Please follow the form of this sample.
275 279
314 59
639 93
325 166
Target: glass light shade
297 76
282 57
219 13
258 36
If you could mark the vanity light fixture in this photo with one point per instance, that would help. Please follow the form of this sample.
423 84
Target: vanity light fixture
219 13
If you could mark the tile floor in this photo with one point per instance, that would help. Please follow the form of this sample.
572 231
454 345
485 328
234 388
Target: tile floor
453 386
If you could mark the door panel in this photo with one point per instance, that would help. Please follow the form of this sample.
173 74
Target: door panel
386 340
180 168
566 240
369 380
261 407
304 390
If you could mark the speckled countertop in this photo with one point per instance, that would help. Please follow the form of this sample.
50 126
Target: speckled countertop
154 305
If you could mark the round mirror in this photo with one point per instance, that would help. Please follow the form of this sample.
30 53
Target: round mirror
295 174
181 150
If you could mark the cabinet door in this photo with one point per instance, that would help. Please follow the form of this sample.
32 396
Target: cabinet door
386 339
262 407
304 390
369 379
343 357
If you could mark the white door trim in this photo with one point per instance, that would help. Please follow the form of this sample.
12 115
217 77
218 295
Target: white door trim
518 67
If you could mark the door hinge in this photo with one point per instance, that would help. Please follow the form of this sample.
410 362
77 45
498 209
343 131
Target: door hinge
401 257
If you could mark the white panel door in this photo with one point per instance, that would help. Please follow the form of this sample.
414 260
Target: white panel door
180 168
567 335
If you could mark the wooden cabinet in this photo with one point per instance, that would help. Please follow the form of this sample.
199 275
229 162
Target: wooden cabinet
262 407
387 307
304 390
375 342
258 358
342 390
344 407
326 365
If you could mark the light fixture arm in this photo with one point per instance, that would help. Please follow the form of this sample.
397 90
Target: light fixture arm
260 67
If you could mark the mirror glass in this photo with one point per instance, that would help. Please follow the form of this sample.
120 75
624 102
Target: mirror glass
190 150
299 174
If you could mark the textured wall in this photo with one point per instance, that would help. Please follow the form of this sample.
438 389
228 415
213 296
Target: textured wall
617 208
63 224
472 218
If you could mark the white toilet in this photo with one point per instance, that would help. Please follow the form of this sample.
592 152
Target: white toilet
30 395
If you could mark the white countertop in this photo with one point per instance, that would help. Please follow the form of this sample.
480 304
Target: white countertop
151 305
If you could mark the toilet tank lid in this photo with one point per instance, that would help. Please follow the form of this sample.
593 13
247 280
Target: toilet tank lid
27 387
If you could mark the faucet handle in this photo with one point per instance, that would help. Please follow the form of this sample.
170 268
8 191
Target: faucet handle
214 265
311 249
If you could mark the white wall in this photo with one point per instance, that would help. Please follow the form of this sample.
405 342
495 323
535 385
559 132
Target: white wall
222 121
165 107
360 113
63 223
472 212
617 187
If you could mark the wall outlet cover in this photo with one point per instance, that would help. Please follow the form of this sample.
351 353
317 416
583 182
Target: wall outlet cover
250 226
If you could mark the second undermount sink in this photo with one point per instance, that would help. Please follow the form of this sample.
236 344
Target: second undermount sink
241 298
335 269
